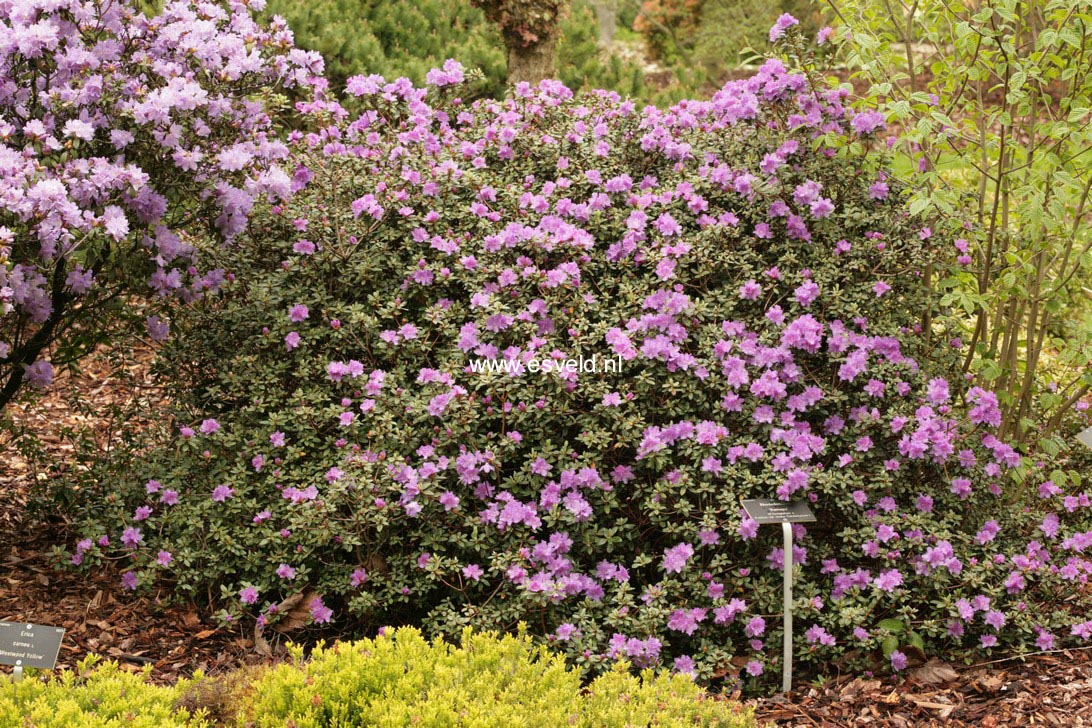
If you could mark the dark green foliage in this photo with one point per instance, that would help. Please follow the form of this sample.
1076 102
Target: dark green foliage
410 37
729 28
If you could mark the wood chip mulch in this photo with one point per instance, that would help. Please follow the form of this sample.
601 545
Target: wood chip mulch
100 619
1050 689
98 616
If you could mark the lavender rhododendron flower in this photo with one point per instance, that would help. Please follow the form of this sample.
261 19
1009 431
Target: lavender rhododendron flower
39 374
320 613
783 23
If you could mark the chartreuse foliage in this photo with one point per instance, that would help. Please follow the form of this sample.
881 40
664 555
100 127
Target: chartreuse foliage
402 679
97 696
392 680
361 421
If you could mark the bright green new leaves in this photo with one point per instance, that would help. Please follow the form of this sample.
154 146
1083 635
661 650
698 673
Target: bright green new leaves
994 98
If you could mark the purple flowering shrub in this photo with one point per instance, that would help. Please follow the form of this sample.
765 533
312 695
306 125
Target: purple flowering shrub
120 134
364 414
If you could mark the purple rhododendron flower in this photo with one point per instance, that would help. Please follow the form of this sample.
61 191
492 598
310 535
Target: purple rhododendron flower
566 631
675 558
816 634
888 580
221 493
783 23
450 74
158 329
868 122
132 537
684 664
995 619
320 613
39 374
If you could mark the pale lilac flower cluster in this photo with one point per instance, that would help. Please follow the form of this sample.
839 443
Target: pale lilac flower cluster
120 132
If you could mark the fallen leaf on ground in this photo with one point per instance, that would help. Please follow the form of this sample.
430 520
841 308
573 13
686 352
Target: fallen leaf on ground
934 672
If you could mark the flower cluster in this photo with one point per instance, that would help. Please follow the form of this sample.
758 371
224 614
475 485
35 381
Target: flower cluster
765 304
118 134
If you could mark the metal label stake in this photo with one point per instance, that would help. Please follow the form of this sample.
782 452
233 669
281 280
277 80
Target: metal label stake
1085 437
786 673
768 510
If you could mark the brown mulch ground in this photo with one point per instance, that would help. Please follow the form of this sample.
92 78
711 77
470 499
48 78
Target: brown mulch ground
98 617
1052 689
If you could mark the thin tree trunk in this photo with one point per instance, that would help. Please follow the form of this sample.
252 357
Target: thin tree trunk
606 13
533 63
29 352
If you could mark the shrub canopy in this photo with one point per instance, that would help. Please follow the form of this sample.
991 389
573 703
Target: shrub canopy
363 430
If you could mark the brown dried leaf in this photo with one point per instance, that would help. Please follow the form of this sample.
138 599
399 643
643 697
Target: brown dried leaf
261 645
295 611
857 686
934 672
914 656
990 683
945 709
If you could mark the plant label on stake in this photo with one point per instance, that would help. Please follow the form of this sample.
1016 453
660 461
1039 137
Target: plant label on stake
1085 437
29 645
770 510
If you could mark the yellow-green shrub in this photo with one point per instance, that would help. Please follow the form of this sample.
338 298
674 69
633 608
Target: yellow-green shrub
400 679
403 679
102 697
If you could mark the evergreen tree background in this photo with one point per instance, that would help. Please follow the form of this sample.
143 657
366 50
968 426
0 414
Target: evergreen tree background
409 37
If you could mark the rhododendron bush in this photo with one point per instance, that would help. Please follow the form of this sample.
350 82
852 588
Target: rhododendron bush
119 134
752 270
